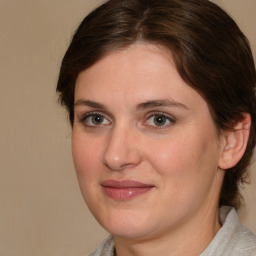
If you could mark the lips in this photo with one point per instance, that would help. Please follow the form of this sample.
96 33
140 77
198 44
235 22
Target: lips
125 189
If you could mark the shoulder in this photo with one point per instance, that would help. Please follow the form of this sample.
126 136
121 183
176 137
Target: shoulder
244 242
233 238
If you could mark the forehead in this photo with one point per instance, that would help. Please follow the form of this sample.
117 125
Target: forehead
144 61
138 73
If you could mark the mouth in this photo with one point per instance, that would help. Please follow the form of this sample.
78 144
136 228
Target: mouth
125 189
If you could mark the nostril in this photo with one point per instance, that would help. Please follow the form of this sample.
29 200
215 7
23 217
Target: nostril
118 167
119 159
113 163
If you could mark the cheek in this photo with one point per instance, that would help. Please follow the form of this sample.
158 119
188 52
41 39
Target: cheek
86 156
185 156
186 169
171 155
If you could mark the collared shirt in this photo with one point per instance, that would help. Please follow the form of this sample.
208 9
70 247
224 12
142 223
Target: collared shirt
233 239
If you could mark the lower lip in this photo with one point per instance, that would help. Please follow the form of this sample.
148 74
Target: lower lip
125 193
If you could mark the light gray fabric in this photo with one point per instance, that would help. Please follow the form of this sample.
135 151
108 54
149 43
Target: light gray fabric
106 248
232 239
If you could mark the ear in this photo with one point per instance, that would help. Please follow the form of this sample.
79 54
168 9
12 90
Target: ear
235 142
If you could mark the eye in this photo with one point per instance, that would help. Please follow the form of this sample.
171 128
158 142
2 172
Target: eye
95 119
160 120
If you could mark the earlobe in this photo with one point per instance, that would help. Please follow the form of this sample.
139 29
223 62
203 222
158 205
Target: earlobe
235 142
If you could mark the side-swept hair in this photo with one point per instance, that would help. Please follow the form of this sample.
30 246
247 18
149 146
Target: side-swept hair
210 52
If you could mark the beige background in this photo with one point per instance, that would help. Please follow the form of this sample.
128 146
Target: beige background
41 209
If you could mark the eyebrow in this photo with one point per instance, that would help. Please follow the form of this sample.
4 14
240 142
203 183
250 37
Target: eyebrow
143 105
91 104
160 103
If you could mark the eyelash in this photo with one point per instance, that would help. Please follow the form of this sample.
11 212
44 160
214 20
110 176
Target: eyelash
91 114
169 118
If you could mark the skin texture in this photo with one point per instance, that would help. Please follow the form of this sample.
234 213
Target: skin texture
179 158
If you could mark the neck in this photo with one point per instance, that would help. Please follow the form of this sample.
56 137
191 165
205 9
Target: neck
190 239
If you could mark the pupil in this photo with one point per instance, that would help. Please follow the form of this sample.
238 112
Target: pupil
97 119
160 120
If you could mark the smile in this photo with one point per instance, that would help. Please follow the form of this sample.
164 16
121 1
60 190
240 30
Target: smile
124 190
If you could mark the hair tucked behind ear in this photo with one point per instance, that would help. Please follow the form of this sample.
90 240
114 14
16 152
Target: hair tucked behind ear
210 52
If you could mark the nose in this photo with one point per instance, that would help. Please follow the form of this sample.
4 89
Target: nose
122 149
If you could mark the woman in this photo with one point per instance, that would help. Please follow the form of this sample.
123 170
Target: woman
161 99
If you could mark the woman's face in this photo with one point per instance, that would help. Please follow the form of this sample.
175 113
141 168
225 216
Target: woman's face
145 147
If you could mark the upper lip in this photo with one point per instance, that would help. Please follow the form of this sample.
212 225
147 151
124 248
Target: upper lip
125 184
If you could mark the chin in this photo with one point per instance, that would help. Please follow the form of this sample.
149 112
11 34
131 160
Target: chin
130 233
129 226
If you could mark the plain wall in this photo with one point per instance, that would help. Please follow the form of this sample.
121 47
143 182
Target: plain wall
41 209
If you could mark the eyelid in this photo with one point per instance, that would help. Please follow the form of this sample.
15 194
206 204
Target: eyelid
83 118
159 113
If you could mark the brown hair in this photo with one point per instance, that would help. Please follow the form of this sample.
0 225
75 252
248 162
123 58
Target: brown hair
210 52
